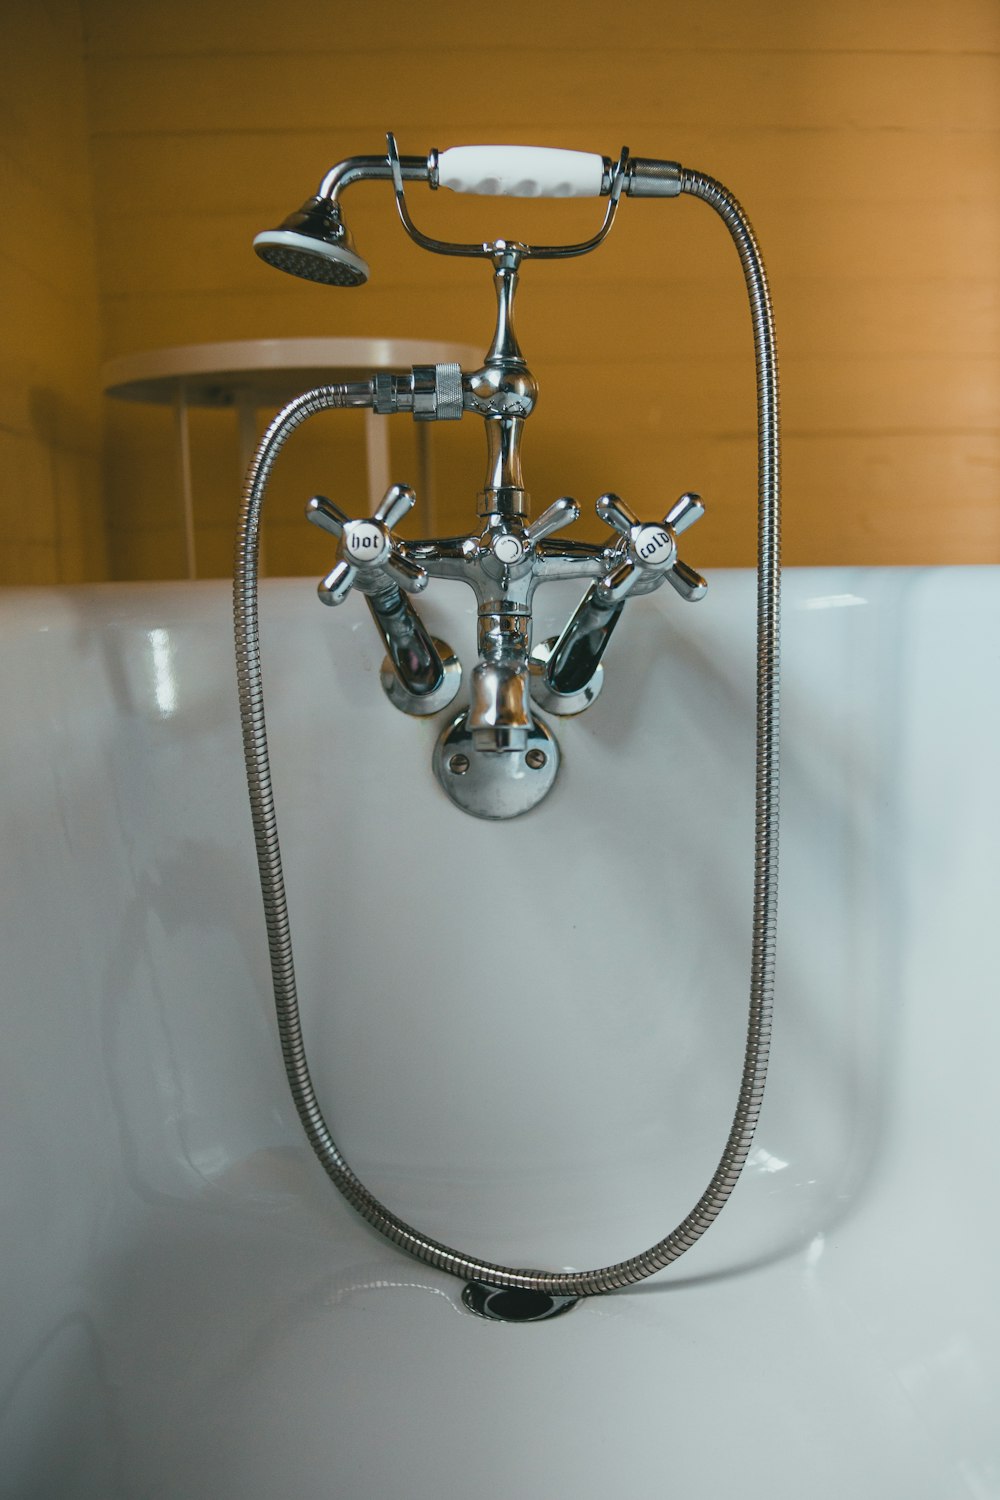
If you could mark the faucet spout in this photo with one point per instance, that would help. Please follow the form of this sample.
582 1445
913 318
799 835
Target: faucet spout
500 710
500 707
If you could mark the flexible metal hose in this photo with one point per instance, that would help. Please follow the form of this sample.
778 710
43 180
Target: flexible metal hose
706 1210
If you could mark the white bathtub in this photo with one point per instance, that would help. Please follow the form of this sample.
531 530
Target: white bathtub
527 1038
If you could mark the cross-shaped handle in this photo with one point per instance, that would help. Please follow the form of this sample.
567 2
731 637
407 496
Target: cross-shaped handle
651 550
368 554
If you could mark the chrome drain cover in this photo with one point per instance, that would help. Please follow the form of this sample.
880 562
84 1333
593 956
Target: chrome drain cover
513 1304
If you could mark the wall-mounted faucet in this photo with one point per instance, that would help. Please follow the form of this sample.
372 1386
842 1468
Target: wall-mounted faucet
497 758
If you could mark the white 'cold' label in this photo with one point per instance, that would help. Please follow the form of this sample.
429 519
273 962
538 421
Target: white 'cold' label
653 545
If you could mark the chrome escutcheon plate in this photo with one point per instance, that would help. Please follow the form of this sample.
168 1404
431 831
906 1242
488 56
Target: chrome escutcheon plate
496 784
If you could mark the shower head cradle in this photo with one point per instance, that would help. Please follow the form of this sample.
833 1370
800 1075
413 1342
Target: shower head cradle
516 172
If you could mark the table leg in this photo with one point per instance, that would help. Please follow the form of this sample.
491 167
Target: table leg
377 456
425 475
183 434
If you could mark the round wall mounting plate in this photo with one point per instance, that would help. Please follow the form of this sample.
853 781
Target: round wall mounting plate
495 783
424 703
560 703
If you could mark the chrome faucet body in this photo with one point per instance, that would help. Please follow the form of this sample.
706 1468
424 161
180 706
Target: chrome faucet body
497 758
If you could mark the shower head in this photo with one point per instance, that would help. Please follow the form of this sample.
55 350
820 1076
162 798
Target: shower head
313 243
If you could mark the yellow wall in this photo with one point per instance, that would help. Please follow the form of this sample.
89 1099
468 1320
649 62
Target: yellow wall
863 139
51 502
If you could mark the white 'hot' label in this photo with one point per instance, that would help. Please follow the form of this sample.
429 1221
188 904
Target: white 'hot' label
364 541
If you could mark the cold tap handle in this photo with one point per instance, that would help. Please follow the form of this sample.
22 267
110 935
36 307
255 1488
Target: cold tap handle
684 514
615 587
689 584
649 546
650 550
522 171
612 510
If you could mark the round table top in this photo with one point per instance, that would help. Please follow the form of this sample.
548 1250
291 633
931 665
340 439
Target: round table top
268 370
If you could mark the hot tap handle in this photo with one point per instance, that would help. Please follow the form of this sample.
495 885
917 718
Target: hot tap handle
651 550
323 512
368 554
394 504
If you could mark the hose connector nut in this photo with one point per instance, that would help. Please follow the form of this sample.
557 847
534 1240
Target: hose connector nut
433 393
648 178
437 393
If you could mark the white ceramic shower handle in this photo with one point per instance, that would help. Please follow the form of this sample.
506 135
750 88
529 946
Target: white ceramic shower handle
521 171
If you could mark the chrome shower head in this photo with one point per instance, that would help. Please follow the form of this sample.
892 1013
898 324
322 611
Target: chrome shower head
314 244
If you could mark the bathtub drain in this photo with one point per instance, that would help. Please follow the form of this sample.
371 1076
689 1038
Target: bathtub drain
513 1304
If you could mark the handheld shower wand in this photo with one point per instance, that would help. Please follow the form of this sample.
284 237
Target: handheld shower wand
313 242
498 759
